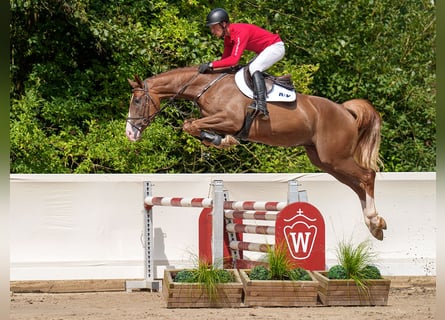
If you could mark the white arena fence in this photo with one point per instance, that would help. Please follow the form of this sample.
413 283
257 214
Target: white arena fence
65 227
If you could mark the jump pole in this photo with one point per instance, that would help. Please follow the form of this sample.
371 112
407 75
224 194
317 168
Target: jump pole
219 203
226 243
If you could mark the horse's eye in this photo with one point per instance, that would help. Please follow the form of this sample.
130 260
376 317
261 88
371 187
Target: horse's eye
137 100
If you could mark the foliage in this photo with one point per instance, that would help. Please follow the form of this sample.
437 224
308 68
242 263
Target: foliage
201 275
299 274
69 61
185 276
278 261
368 272
207 275
337 272
279 267
371 272
355 262
259 273
383 51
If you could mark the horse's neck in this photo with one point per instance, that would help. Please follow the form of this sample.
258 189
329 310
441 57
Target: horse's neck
171 83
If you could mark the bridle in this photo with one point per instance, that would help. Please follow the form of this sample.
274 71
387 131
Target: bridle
146 120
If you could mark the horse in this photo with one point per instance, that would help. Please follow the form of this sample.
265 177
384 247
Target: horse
342 140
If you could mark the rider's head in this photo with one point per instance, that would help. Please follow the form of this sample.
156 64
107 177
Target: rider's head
218 20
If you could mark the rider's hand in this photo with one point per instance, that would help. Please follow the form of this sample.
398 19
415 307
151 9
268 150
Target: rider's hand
204 67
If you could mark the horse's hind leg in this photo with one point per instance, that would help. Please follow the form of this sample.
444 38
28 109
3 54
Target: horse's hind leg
358 179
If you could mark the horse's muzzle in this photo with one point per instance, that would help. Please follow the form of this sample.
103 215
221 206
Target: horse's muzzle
132 132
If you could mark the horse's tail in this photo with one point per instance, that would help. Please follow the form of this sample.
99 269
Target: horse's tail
368 123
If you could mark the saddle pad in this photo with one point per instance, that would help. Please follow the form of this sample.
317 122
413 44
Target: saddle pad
276 94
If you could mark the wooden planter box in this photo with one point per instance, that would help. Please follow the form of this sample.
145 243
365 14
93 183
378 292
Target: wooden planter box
346 293
278 293
194 295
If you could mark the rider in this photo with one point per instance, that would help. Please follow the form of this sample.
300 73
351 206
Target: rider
242 36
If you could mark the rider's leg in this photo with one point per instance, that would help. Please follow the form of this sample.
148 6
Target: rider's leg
260 94
262 62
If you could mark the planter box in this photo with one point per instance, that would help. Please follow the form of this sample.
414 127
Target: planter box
346 293
278 293
194 295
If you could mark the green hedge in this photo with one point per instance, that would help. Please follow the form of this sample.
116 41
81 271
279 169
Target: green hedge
70 61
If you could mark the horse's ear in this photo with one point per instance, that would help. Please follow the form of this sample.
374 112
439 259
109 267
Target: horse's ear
133 84
138 80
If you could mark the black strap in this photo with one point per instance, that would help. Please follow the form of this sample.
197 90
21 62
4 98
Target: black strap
243 134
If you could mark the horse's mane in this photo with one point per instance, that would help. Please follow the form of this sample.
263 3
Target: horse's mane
194 69
179 70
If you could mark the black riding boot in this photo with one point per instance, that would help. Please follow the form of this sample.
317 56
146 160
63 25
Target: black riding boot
260 94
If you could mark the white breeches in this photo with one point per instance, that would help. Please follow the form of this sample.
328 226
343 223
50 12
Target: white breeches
267 58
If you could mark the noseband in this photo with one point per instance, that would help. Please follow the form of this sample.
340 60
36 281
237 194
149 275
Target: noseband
146 120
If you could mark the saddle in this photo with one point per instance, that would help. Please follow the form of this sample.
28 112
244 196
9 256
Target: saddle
283 81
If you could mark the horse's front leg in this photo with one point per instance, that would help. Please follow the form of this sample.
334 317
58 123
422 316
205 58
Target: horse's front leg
192 127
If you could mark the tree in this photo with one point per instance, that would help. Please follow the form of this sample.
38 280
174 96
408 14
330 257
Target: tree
70 61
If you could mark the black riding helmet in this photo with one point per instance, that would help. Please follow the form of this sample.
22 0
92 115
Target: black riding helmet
217 15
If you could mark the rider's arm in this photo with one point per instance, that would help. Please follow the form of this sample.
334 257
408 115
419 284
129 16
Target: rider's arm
233 49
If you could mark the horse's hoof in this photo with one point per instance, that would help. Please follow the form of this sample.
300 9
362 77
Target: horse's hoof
382 223
227 142
377 233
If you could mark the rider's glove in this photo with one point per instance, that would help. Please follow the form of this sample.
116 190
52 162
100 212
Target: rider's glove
204 67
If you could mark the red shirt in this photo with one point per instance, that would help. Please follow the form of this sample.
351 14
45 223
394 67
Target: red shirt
242 37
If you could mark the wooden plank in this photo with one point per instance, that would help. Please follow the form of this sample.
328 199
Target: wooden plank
277 293
202 305
295 289
192 286
355 303
65 286
194 295
279 304
354 297
345 301
333 292
199 294
355 291
282 284
267 299
282 294
274 291
354 287
204 299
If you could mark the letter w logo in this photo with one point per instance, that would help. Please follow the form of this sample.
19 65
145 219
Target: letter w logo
301 241
300 238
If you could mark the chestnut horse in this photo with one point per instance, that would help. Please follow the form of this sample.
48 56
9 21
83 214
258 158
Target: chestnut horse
341 139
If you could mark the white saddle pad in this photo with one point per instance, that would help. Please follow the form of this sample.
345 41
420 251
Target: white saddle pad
276 94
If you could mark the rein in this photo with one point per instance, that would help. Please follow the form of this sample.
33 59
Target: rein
147 120
195 101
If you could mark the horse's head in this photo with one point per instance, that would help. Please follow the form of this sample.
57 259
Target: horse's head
143 108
